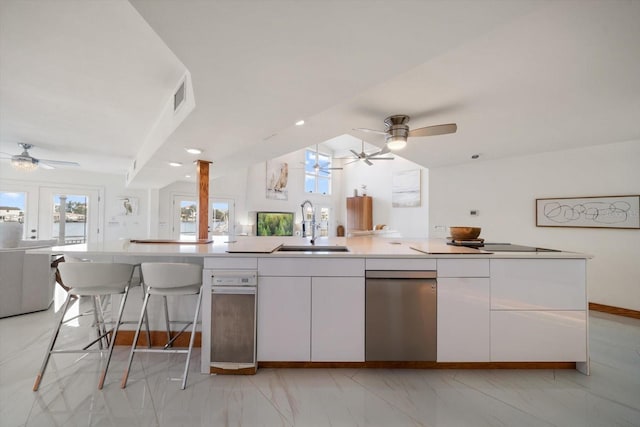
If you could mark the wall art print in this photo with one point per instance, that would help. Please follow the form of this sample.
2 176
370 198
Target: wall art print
405 189
277 179
590 212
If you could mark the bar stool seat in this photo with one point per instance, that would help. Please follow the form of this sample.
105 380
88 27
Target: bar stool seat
88 279
168 279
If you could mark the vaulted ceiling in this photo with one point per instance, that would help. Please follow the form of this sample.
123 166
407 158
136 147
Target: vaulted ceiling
91 81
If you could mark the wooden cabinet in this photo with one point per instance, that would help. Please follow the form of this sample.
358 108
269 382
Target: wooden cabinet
359 213
337 319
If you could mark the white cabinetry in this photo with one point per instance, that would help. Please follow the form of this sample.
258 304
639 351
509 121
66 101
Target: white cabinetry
463 311
337 319
284 315
311 309
539 310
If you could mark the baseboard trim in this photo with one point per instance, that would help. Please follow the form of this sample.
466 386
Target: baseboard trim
614 310
422 365
158 338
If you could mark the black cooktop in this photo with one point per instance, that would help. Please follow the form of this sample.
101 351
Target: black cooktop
508 247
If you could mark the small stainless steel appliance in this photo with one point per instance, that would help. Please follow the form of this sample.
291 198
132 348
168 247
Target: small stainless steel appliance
231 340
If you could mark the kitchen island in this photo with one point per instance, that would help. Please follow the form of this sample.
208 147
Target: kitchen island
503 309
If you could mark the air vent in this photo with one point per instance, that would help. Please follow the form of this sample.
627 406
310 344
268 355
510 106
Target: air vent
178 97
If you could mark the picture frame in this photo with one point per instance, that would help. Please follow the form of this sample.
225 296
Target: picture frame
406 189
622 212
277 178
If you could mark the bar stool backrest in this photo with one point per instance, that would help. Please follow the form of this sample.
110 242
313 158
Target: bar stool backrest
82 275
171 274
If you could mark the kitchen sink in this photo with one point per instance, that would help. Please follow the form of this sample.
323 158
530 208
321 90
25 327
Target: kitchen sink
315 248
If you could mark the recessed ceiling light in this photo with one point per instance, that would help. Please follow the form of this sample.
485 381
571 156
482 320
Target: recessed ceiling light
193 150
299 122
187 176
175 164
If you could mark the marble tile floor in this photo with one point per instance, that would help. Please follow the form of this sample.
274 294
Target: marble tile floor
315 397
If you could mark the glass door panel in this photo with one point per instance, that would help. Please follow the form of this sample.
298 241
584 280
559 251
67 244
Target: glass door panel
221 218
12 210
69 215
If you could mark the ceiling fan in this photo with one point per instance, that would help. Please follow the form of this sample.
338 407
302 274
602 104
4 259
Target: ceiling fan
397 131
368 157
24 161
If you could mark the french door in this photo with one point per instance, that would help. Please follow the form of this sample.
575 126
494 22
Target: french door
185 218
71 215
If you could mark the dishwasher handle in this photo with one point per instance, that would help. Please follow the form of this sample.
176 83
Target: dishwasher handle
400 274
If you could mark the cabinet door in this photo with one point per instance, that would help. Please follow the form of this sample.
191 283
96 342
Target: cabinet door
463 320
538 284
359 213
337 321
538 336
284 319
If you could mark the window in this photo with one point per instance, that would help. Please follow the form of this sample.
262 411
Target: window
317 176
12 206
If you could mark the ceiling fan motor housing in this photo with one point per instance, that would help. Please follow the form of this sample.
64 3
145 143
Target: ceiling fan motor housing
397 127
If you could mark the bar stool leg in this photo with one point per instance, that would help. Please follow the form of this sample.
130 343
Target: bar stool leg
192 340
54 337
113 338
167 321
146 315
125 376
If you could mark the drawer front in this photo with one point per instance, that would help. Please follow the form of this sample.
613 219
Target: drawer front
322 267
463 268
400 264
231 263
545 284
538 336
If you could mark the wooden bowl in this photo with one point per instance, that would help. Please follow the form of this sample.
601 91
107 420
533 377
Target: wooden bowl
464 233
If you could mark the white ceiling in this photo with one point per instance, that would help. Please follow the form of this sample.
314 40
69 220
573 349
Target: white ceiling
87 81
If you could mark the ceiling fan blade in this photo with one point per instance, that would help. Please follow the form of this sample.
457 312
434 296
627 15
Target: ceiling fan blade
355 154
380 158
381 132
58 162
352 161
434 130
368 162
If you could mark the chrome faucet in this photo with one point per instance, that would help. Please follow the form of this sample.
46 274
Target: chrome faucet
313 221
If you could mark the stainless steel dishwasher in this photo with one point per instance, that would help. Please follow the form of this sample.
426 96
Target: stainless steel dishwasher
400 316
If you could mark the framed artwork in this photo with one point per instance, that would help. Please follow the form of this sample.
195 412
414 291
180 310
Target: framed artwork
405 189
127 206
590 212
277 179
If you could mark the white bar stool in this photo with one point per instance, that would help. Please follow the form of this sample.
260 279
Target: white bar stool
169 279
88 279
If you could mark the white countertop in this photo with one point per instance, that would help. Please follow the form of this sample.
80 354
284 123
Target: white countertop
363 246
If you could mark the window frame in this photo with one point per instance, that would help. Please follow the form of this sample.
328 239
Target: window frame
311 158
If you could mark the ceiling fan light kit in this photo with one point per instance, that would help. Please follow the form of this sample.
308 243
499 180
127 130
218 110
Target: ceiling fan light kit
26 162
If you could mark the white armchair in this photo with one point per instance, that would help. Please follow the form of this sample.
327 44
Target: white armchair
27 280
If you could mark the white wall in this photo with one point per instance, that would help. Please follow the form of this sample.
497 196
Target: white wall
114 225
247 187
256 192
409 222
504 192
